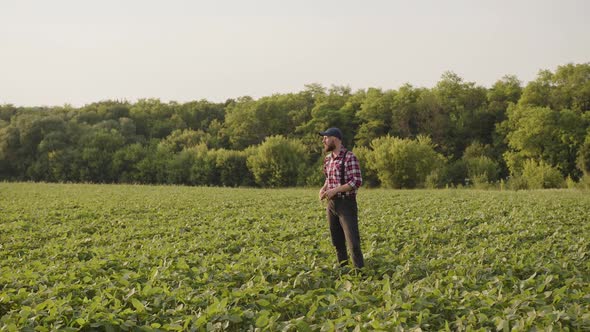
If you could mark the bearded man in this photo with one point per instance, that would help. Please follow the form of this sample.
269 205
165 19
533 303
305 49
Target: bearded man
343 179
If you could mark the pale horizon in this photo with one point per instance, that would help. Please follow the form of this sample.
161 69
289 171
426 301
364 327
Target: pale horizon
72 52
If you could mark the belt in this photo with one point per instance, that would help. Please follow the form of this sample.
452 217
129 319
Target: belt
349 198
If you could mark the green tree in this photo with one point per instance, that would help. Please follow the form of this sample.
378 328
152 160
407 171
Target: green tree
178 168
432 119
198 115
465 106
571 88
543 134
249 121
583 157
49 164
19 143
128 129
375 116
503 93
203 171
97 149
181 139
476 166
404 121
126 163
337 108
154 119
153 168
538 92
9 158
482 169
7 111
567 88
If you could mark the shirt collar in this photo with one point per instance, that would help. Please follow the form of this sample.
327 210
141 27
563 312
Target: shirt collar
340 154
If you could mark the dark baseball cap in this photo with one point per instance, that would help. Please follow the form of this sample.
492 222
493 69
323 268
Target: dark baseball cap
332 132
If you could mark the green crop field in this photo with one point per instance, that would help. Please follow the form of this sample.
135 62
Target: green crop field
123 257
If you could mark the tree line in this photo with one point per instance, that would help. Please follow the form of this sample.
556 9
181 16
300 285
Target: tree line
456 133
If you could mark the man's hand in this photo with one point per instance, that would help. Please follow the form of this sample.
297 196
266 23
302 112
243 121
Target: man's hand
329 194
322 194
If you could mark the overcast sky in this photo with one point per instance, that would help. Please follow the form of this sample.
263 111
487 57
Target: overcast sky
77 52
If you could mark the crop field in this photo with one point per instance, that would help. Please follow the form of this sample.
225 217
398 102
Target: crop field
159 258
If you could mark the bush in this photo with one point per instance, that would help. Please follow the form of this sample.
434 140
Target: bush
203 171
434 180
481 182
277 162
571 184
482 170
477 149
517 183
583 160
370 178
179 166
153 168
232 168
541 175
313 176
403 163
454 173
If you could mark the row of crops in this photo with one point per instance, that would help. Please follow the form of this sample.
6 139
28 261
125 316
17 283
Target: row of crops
124 257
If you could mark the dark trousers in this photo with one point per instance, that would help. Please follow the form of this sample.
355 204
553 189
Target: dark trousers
343 220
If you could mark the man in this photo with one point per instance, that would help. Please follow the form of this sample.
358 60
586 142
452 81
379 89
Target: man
343 178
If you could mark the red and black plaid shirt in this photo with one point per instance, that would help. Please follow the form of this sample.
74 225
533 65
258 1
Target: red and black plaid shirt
352 172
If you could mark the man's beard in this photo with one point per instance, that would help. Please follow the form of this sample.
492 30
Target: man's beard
329 147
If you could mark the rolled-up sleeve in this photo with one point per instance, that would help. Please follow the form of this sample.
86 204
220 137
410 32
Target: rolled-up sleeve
353 171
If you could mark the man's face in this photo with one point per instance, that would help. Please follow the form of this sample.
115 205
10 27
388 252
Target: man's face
329 144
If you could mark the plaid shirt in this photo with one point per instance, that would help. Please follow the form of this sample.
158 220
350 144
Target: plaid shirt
352 172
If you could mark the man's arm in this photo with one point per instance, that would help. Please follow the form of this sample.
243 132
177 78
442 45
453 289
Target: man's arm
340 189
323 190
353 170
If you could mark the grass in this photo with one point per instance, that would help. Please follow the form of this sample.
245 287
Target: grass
124 257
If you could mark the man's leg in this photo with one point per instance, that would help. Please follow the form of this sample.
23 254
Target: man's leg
349 223
337 233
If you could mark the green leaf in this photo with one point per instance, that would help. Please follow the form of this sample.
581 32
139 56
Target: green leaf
263 319
138 305
303 326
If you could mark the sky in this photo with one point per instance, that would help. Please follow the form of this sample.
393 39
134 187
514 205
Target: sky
78 52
